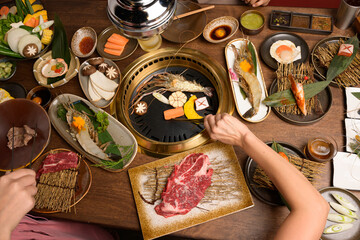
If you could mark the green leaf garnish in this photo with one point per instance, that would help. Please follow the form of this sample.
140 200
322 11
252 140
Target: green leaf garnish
356 94
60 47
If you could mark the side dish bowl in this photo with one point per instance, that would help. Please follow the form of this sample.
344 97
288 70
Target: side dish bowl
220 29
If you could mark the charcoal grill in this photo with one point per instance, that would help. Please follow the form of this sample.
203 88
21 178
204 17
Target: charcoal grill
155 135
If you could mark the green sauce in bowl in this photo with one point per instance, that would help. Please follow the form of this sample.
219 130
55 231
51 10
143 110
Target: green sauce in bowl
252 21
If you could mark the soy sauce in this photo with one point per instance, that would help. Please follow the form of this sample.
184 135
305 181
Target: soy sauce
44 95
220 32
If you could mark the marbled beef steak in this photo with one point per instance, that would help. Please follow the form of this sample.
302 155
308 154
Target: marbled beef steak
186 186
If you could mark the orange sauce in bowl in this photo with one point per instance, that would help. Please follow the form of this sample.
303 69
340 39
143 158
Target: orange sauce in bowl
220 32
86 45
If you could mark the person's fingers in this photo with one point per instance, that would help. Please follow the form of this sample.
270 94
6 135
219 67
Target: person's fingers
20 173
32 190
27 180
260 3
208 122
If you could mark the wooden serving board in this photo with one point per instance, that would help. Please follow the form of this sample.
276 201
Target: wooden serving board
228 192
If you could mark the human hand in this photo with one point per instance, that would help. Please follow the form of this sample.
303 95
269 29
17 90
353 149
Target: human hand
257 3
17 190
226 129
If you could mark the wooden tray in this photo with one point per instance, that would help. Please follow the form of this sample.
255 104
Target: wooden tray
226 166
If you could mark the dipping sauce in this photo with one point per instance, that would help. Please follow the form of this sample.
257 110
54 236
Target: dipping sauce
41 97
252 21
321 23
300 21
220 32
320 149
86 45
281 19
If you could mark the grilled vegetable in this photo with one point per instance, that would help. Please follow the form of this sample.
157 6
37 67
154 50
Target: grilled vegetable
338 228
343 210
343 201
339 218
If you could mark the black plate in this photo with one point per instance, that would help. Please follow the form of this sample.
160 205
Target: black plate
322 43
325 98
297 40
271 197
354 232
16 90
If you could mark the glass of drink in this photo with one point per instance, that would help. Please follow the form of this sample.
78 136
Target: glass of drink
151 43
321 149
346 13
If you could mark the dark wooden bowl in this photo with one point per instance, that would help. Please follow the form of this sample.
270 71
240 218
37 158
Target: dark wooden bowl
19 112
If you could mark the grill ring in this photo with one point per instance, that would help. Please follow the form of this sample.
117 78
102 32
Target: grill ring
157 61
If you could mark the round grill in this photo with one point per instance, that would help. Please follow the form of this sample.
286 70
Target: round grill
154 134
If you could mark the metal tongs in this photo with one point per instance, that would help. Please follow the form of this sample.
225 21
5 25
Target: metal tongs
200 120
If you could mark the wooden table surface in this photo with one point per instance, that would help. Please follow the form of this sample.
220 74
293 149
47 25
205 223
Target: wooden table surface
110 201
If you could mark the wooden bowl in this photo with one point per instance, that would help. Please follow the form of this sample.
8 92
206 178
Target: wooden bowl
78 36
19 112
247 30
230 24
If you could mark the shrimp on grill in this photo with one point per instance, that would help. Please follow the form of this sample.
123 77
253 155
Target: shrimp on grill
162 82
248 81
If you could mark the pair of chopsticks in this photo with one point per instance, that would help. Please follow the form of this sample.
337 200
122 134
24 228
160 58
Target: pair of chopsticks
12 149
194 12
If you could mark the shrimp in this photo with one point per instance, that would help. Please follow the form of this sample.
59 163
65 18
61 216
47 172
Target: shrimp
162 82
298 91
248 81
86 136
176 82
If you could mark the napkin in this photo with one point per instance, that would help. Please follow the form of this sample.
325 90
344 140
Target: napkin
352 103
352 128
346 171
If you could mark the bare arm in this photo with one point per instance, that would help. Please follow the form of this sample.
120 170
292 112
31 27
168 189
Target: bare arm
17 191
308 208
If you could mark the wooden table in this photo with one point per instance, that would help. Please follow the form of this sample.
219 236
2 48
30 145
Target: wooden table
110 201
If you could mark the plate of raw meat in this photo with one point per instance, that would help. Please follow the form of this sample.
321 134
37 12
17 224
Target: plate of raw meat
188 189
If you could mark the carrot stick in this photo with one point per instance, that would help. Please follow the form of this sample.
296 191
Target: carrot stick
114 46
113 51
121 38
173 113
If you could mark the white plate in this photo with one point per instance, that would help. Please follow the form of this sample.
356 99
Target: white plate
354 232
243 105
352 102
84 83
119 132
346 171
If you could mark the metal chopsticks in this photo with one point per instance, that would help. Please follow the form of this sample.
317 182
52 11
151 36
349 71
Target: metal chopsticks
32 147
201 120
12 149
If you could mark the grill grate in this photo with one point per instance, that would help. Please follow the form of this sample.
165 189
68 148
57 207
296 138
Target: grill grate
152 125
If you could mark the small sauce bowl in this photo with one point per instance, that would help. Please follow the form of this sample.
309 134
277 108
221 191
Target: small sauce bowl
81 40
321 149
40 95
220 29
252 16
13 68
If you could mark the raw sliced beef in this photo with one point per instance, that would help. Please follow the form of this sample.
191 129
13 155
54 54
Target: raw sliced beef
186 186
55 162
22 136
